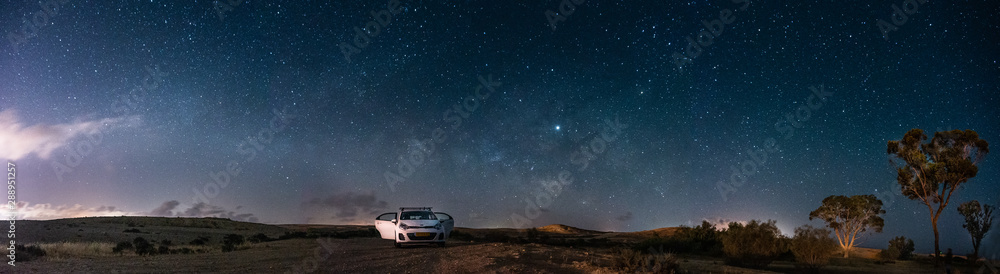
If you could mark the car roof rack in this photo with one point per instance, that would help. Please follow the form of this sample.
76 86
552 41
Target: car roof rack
414 208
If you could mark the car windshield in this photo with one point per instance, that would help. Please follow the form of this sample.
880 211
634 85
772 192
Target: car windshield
417 215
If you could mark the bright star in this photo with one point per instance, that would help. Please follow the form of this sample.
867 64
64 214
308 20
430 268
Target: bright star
557 127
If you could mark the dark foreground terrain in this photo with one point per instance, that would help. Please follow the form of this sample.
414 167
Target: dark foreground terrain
84 245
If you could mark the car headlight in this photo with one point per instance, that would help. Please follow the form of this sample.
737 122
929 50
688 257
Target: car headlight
437 226
402 226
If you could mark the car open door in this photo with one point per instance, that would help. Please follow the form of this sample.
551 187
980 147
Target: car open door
386 226
447 221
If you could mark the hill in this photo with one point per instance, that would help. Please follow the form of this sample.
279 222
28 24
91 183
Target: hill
126 228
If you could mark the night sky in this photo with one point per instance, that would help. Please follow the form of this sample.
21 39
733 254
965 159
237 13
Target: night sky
279 112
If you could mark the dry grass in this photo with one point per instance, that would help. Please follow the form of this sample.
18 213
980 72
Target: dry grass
68 250
64 250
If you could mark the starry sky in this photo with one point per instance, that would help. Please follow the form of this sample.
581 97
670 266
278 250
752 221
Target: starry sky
601 115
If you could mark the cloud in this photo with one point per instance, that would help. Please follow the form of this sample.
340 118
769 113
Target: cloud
207 210
345 208
17 140
626 217
28 211
165 209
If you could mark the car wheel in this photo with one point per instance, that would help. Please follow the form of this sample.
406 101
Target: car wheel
396 244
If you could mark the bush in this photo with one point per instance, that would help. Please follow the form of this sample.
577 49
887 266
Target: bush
121 247
900 248
703 239
754 245
259 238
28 253
627 259
812 247
292 235
458 234
200 241
888 255
532 234
496 237
904 245
230 242
142 247
631 261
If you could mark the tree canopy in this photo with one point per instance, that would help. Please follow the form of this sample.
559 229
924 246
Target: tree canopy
850 217
978 221
930 172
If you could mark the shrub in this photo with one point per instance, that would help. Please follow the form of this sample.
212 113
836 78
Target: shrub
755 244
627 259
163 249
142 247
904 245
230 242
259 238
200 241
900 248
292 235
121 247
631 261
703 239
458 234
531 235
29 253
496 237
888 255
812 247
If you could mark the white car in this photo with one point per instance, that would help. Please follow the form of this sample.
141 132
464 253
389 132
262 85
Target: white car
415 225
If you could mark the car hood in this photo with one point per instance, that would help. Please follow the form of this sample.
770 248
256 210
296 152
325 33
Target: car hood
419 222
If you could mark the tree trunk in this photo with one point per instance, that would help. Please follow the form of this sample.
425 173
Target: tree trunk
975 248
937 249
846 249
